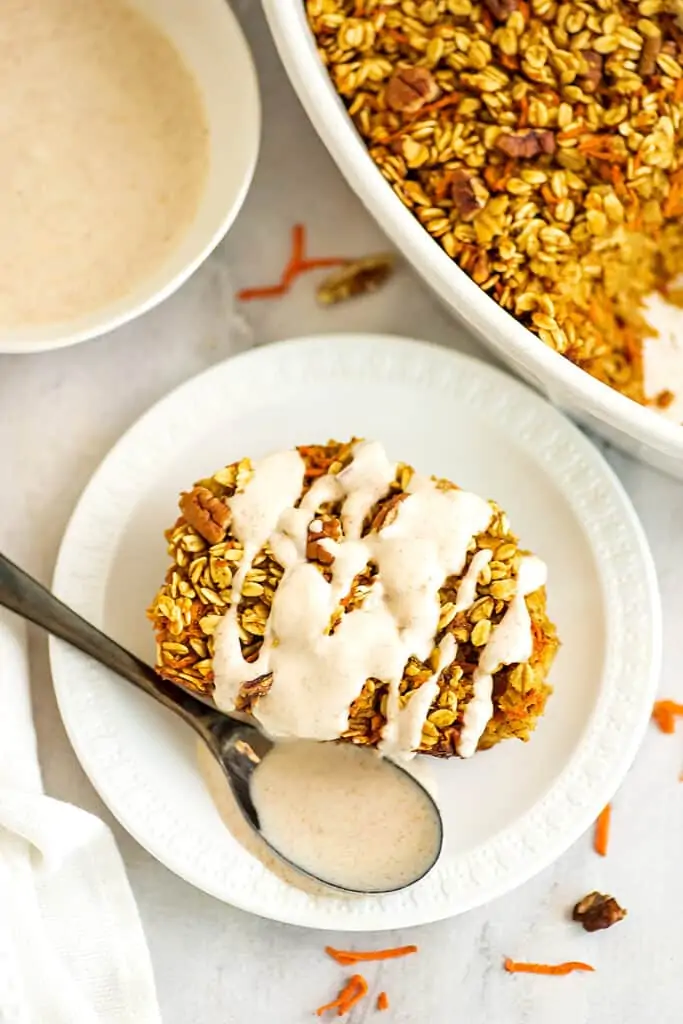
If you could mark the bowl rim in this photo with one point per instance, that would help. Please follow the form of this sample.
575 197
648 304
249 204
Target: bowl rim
58 335
478 310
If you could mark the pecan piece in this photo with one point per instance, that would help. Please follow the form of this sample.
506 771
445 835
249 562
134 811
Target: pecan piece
319 531
409 89
524 145
468 193
388 512
592 77
501 9
597 911
207 514
250 692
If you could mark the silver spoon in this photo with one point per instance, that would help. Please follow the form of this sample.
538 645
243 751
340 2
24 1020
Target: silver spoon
237 746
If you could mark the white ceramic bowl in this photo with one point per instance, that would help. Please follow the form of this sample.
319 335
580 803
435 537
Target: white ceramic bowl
211 43
638 430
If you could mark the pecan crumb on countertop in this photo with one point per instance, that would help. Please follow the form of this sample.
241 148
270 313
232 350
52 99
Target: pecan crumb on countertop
597 911
409 89
356 277
208 515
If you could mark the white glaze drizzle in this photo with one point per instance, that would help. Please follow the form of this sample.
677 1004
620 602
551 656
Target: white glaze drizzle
467 590
511 641
317 675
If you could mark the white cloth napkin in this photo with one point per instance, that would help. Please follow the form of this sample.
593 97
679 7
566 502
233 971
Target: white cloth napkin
72 949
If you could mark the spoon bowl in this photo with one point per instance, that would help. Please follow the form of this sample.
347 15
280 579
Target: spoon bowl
238 745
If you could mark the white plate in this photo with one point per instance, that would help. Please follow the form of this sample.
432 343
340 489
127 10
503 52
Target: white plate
208 37
634 427
508 812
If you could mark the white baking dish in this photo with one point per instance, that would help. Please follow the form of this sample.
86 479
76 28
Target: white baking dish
637 429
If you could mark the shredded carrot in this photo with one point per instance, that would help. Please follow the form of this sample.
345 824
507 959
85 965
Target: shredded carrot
322 261
451 99
513 967
523 112
491 177
665 713
618 179
596 148
382 1001
511 63
355 989
298 243
571 133
601 838
348 957
297 264
674 201
678 90
549 196
270 292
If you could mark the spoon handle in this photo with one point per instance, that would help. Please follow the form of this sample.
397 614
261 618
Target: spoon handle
22 594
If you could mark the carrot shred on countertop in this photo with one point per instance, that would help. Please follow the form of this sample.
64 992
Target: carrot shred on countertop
513 967
382 1001
271 292
297 264
665 713
355 989
601 837
348 957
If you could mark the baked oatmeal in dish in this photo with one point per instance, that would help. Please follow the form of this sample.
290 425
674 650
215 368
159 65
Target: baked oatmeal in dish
334 594
541 144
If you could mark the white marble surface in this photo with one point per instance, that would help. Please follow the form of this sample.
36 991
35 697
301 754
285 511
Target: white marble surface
214 965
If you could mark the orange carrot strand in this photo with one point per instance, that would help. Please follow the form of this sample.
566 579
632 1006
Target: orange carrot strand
601 838
382 1001
354 990
298 243
361 990
523 112
348 957
320 262
571 133
665 713
290 272
513 967
269 292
